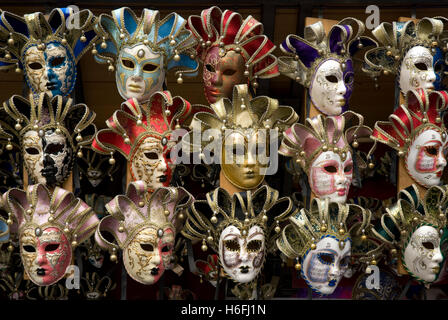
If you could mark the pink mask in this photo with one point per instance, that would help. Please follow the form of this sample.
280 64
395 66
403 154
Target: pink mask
50 226
144 229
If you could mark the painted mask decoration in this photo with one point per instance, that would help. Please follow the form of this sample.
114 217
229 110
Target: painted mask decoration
142 50
49 131
242 141
144 229
323 149
47 50
50 226
144 136
417 132
208 269
414 228
233 51
241 228
409 50
320 240
323 63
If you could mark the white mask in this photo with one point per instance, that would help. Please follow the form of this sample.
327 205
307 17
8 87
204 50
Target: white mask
242 257
325 266
139 73
149 164
48 156
328 88
416 70
422 255
330 177
425 160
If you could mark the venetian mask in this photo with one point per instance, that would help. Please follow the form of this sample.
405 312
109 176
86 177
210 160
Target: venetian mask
332 86
325 266
416 70
46 254
149 253
52 70
422 256
48 156
425 160
330 177
220 74
139 73
150 164
240 161
242 256
439 67
94 176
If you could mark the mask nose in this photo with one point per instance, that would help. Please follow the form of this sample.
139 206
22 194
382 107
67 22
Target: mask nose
437 256
340 179
341 89
48 161
334 271
431 76
156 259
244 254
441 160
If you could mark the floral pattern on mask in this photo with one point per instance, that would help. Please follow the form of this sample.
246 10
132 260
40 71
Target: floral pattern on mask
148 254
330 177
422 256
139 73
416 70
46 254
48 156
52 70
425 159
325 266
331 86
220 74
242 257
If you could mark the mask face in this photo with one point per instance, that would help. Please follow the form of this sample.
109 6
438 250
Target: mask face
52 70
46 254
425 160
149 164
416 70
440 68
139 73
242 257
94 176
325 266
422 255
331 87
147 255
48 157
220 74
240 162
330 177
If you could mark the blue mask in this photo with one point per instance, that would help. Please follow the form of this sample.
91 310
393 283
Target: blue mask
140 72
439 66
51 70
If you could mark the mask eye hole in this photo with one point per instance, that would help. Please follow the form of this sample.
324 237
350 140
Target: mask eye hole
254 245
128 63
238 150
147 247
431 150
348 168
52 247
32 151
151 155
326 258
35 65
149 67
331 169
210 68
57 61
29 248
232 245
229 72
166 248
54 148
332 79
428 245
421 66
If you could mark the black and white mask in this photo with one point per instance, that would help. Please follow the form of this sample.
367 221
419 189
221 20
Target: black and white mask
48 156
